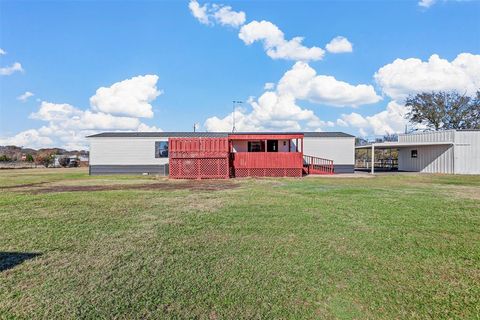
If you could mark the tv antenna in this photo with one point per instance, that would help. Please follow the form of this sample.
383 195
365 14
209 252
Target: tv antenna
234 104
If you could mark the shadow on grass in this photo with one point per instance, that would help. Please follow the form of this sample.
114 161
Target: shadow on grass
9 260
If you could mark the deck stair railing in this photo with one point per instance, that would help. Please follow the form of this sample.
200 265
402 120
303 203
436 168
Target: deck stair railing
316 165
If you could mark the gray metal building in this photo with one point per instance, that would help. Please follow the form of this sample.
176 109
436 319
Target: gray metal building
138 152
450 151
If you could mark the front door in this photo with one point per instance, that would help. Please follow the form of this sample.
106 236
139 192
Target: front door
272 145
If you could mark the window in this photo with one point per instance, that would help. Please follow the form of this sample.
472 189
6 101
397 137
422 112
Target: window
161 149
255 146
272 145
414 154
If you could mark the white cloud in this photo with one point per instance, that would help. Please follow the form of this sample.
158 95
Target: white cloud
199 12
275 44
66 125
28 138
55 112
303 82
2 52
129 97
224 15
24 97
391 120
227 17
277 110
426 3
16 67
410 76
339 45
269 86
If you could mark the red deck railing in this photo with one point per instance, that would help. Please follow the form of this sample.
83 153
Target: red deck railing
316 165
267 164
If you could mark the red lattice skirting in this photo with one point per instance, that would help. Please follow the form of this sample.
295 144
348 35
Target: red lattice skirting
267 172
199 168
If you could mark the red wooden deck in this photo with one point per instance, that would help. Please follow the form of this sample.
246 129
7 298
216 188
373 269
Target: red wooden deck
266 164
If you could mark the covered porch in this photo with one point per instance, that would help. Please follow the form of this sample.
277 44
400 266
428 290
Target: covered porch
266 155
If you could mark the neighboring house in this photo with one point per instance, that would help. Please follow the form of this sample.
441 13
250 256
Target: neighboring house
449 151
221 155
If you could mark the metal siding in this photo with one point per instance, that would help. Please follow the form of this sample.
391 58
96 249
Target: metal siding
431 159
125 151
341 150
467 152
428 136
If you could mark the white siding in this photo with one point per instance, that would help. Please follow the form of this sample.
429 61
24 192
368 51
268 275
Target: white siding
467 152
431 159
339 149
124 151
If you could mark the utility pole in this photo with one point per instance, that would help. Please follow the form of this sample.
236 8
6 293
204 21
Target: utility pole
234 102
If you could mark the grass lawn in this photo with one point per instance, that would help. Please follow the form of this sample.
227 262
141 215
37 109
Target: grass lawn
74 246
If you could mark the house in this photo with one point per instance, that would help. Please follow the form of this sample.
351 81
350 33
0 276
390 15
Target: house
221 154
449 151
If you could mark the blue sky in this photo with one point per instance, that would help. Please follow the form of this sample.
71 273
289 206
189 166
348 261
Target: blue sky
173 69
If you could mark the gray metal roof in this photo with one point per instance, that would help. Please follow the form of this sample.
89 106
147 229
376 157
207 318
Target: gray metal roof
209 134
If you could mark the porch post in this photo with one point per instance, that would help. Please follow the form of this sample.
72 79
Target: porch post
373 158
265 145
301 139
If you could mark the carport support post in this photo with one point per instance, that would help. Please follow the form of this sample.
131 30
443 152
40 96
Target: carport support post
373 158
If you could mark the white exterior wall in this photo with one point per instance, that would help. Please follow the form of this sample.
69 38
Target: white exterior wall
124 151
467 152
461 158
339 149
430 159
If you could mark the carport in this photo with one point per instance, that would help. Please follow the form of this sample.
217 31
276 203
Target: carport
414 147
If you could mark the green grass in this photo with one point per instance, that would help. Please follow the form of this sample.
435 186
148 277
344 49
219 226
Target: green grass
404 246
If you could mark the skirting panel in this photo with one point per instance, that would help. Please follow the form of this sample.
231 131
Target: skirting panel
267 172
161 170
343 168
194 168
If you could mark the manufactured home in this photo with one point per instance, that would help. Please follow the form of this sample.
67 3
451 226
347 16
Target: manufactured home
195 155
449 151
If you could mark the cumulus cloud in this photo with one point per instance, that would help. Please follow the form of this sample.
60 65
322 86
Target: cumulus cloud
410 76
24 97
391 120
129 97
210 14
275 44
227 17
303 82
15 67
269 86
199 12
339 45
278 109
2 52
66 125
28 138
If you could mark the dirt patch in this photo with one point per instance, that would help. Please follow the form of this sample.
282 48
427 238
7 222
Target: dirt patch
26 185
210 185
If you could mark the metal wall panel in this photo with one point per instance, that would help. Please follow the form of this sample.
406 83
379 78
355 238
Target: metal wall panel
428 136
341 150
430 159
467 152
124 151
